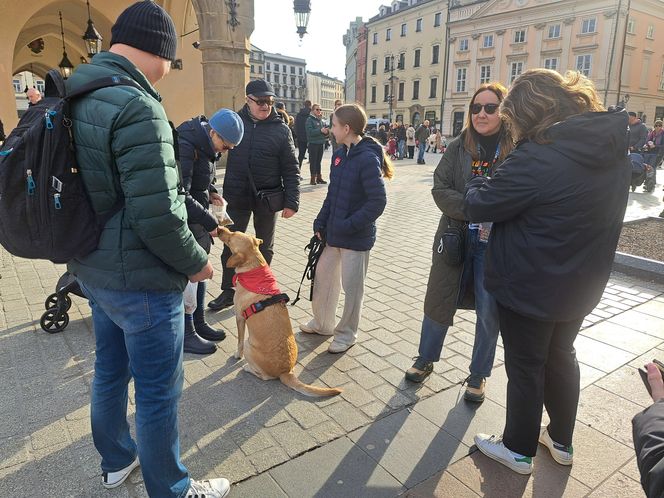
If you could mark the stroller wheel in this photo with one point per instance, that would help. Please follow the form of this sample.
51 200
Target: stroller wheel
54 322
52 302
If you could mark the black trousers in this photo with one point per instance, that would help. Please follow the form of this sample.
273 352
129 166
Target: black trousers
315 158
411 151
265 223
541 365
302 148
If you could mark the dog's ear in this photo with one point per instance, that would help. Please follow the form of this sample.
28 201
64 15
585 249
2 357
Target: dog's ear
258 242
235 260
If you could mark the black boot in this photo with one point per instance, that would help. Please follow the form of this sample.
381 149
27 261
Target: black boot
223 300
202 328
193 343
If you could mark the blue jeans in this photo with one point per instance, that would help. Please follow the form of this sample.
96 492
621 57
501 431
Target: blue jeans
139 335
402 149
420 151
486 326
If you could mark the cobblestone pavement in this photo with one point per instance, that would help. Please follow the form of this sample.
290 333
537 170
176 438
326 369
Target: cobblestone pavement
381 437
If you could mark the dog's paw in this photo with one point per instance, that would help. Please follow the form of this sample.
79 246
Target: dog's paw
239 354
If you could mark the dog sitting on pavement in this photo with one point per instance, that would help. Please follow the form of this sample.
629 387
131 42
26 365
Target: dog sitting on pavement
270 349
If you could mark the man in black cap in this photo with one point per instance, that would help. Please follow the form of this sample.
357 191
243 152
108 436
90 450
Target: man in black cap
264 160
146 254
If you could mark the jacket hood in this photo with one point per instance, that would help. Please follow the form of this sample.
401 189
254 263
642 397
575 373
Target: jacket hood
367 144
193 132
592 139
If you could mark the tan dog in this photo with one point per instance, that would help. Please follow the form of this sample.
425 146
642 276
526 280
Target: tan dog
270 349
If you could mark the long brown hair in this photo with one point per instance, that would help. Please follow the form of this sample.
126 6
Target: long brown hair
472 138
354 116
541 97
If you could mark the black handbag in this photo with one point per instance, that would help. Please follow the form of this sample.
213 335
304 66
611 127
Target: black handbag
274 199
452 246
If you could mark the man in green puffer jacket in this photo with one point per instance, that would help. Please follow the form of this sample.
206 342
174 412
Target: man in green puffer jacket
134 280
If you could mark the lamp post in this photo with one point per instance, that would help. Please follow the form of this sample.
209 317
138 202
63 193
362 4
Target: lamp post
390 97
66 67
91 37
302 9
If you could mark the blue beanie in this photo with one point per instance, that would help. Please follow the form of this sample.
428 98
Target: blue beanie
228 125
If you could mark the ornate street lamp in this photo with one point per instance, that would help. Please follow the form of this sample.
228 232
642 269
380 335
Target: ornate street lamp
302 10
66 67
92 38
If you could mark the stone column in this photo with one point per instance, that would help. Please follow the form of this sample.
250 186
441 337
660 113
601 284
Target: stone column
225 28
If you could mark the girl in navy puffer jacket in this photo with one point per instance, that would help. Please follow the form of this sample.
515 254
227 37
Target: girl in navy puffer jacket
355 199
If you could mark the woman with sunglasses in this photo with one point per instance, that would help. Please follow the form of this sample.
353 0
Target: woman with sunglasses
479 149
557 203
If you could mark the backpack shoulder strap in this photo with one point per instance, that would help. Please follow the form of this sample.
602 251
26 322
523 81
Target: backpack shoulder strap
104 82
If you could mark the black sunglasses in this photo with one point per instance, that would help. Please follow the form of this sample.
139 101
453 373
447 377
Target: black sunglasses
262 101
488 108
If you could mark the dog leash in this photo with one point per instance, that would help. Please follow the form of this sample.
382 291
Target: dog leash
315 248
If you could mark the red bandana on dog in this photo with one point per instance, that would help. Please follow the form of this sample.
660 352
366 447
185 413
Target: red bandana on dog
259 281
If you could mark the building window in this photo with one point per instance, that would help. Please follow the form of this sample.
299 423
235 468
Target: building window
551 64
650 34
292 93
404 28
515 70
485 74
434 88
292 80
554 31
292 70
402 61
631 26
387 63
267 66
416 90
436 19
386 92
463 45
661 79
300 71
17 85
584 63
418 25
520 36
283 79
461 79
417 58
588 25
388 34
268 76
373 94
374 63
488 41
402 86
435 54
375 38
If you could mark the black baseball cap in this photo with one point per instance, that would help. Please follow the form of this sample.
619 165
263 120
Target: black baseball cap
260 88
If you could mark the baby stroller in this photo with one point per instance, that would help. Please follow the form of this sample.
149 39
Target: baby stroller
392 148
642 173
55 319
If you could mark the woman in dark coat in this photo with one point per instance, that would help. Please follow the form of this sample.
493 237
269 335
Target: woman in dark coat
557 203
481 147
200 142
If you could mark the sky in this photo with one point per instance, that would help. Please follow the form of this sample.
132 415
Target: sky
322 46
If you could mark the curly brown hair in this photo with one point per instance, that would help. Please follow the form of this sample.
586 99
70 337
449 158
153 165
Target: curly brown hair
540 98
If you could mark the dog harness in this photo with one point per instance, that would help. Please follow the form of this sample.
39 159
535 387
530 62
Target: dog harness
260 281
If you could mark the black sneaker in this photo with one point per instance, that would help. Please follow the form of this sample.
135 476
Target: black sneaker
223 300
475 388
420 370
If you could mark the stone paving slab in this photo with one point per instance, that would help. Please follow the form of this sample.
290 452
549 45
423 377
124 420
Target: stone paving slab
270 441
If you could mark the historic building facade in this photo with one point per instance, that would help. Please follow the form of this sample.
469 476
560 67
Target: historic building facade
350 41
288 77
324 90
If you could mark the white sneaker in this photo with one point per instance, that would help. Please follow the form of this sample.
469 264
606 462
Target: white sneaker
493 447
308 329
211 488
337 347
564 455
112 480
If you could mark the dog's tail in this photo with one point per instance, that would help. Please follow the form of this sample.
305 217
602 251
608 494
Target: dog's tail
294 383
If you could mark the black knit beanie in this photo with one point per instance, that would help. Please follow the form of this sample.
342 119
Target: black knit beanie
148 27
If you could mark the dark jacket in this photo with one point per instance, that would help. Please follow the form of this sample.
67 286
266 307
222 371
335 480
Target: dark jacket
422 133
356 197
267 146
648 435
444 293
314 133
558 210
638 135
301 123
125 148
401 132
197 163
